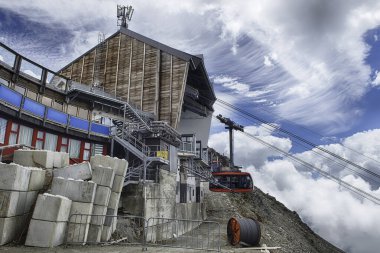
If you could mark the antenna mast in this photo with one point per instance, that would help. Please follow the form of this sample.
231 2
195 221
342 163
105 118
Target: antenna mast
124 14
230 125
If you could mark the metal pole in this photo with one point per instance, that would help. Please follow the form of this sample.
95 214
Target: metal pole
231 147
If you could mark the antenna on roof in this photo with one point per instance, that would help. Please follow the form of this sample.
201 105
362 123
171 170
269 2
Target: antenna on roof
124 14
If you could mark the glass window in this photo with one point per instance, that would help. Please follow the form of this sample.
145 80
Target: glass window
64 141
14 127
25 135
39 144
3 126
74 148
40 135
51 142
12 138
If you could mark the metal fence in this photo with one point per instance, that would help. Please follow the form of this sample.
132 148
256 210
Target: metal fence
182 233
135 230
105 229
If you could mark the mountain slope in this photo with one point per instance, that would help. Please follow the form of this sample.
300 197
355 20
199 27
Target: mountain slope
280 226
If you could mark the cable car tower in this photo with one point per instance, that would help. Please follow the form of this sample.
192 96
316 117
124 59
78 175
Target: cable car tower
232 179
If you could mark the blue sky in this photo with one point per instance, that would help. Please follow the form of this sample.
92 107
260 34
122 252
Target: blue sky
309 66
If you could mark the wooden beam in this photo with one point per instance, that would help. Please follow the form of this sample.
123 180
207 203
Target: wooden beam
93 67
130 71
157 89
182 95
105 66
117 64
81 72
142 80
170 89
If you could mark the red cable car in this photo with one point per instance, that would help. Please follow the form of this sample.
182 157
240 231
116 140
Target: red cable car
231 181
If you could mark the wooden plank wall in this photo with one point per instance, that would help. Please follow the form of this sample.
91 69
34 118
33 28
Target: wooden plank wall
138 73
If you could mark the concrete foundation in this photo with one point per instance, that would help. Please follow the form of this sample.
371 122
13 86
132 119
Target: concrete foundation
118 165
102 195
76 171
24 158
44 158
45 233
12 203
106 234
14 177
78 191
52 208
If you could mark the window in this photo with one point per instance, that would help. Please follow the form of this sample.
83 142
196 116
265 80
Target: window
74 148
25 135
193 192
3 127
50 142
97 149
14 133
87 151
64 145
40 140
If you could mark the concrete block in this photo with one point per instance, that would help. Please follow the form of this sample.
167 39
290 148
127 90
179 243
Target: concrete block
14 177
31 199
94 233
75 171
85 209
48 178
114 200
12 203
43 158
118 183
52 208
102 195
76 190
103 175
24 158
109 220
37 179
118 165
11 228
45 233
61 159
106 234
77 233
98 215
122 167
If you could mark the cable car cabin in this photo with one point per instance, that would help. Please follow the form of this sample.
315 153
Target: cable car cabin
234 180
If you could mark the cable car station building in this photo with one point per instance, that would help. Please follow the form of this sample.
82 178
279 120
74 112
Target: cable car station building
130 97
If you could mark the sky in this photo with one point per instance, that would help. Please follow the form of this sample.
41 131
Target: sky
310 67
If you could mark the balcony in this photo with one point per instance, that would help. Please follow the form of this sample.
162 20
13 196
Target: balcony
187 146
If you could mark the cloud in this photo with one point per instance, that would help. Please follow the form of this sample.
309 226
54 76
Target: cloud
317 63
336 214
1 58
376 80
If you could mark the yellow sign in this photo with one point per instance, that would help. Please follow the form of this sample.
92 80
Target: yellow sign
163 154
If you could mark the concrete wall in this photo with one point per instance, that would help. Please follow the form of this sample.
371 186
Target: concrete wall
193 123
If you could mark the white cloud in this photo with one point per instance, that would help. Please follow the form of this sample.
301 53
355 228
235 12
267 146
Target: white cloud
375 37
376 80
336 214
319 61
32 74
1 58
268 61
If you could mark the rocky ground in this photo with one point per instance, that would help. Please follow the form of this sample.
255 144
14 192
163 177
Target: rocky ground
280 227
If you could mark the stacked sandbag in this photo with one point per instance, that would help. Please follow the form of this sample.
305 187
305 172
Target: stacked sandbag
103 177
119 166
19 187
49 221
82 194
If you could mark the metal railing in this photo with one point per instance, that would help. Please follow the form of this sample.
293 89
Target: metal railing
187 147
136 230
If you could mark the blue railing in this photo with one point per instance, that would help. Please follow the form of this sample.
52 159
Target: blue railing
15 99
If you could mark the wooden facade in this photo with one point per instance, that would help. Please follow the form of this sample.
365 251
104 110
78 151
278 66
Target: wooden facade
137 71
